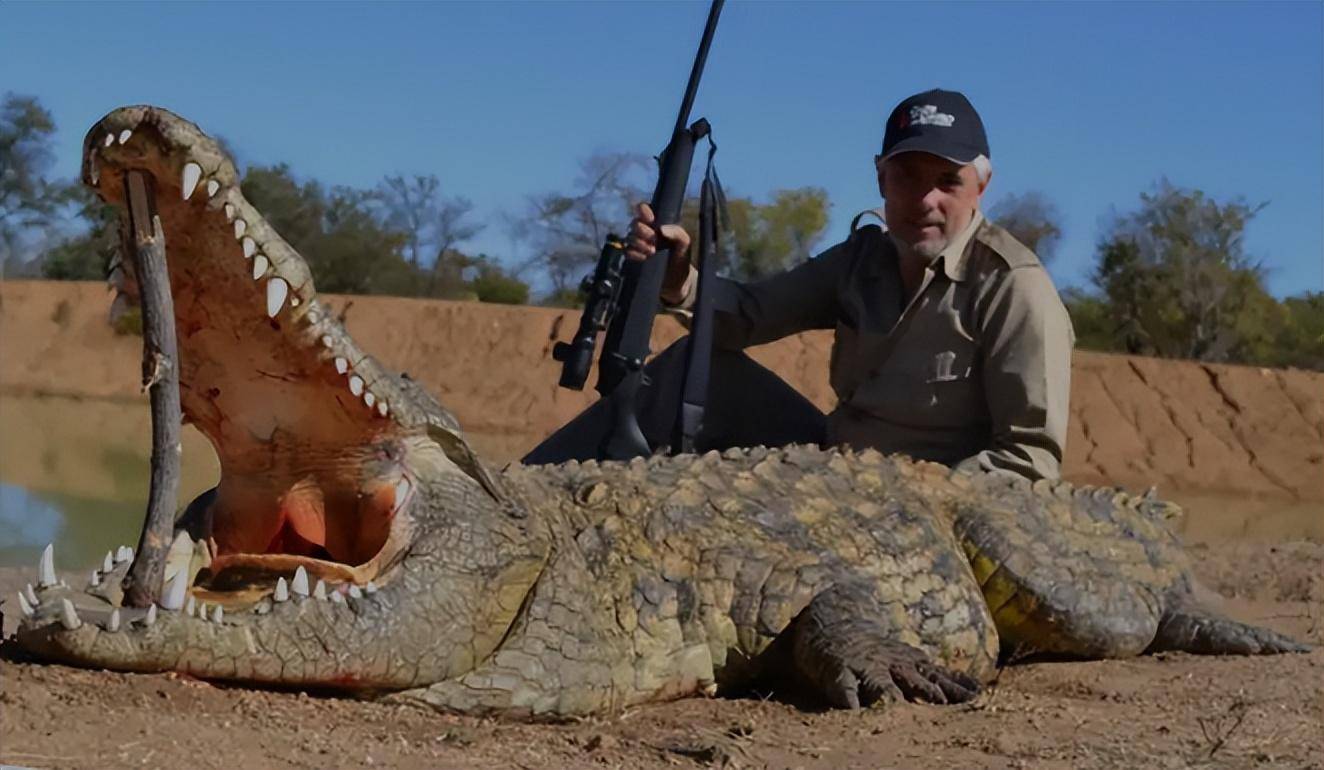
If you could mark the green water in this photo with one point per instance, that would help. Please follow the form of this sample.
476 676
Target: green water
81 529
75 472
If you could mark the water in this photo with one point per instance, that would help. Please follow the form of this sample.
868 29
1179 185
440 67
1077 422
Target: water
75 472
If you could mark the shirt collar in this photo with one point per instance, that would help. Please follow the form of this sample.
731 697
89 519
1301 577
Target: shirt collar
953 256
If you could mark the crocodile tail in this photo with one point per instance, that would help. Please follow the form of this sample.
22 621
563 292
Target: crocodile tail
1205 633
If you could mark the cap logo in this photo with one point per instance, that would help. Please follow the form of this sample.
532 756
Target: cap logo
926 115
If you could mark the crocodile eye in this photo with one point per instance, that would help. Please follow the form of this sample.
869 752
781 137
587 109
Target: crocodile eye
591 494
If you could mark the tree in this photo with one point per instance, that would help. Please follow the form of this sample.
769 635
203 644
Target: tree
337 232
567 230
434 226
85 257
1299 338
28 201
1177 280
1031 219
771 237
493 284
762 239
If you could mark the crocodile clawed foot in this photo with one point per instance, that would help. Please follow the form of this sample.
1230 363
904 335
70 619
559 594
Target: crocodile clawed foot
852 661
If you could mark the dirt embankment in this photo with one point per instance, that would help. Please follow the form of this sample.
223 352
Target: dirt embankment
1187 427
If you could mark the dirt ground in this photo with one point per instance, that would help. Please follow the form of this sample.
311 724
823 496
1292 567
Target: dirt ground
1166 711
1241 448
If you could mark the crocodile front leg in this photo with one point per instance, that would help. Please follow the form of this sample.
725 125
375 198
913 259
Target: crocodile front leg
843 650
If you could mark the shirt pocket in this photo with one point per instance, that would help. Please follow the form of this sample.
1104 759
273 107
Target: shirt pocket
937 386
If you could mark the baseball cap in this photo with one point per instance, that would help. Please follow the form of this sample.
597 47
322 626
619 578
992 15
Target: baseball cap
938 122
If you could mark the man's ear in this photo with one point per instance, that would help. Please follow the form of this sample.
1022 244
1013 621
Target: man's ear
878 168
984 184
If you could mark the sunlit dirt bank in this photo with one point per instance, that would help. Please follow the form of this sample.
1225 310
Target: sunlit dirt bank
1242 448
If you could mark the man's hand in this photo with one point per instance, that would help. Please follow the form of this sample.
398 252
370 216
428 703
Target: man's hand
643 242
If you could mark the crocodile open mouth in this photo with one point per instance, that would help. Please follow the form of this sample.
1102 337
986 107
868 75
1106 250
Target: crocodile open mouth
305 425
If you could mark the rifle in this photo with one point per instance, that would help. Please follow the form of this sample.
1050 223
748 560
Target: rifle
621 296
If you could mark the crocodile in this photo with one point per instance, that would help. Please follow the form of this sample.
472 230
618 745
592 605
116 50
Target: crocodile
356 543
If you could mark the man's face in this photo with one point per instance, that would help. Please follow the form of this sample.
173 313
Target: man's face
928 200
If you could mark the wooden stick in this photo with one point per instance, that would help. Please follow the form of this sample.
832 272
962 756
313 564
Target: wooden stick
142 586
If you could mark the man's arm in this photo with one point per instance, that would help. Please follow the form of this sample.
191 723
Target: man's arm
1027 340
802 298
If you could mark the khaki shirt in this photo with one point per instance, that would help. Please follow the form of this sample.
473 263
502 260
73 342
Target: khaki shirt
975 370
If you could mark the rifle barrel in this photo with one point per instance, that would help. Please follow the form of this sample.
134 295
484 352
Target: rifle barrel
696 72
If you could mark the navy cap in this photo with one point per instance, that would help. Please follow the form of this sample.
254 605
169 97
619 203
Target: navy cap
938 122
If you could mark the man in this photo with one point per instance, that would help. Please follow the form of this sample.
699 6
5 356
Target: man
951 343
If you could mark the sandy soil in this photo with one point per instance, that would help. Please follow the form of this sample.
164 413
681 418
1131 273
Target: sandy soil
1187 427
1168 711
1242 448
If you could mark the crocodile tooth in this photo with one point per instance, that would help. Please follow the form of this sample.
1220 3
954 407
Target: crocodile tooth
326 340
113 624
192 175
240 227
277 291
369 398
178 557
319 590
108 141
212 187
125 134
355 592
32 595
382 409
124 553
401 492
229 211
337 598
108 563
95 580
300 583
68 615
46 567
250 247
173 596
294 301
356 385
150 617
370 588
342 364
24 606
217 614
260 265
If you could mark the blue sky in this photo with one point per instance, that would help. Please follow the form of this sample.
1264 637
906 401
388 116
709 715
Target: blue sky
1089 103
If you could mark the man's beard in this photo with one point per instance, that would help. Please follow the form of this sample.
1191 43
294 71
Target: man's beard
930 249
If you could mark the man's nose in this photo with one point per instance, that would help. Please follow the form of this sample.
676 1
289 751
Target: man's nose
932 198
